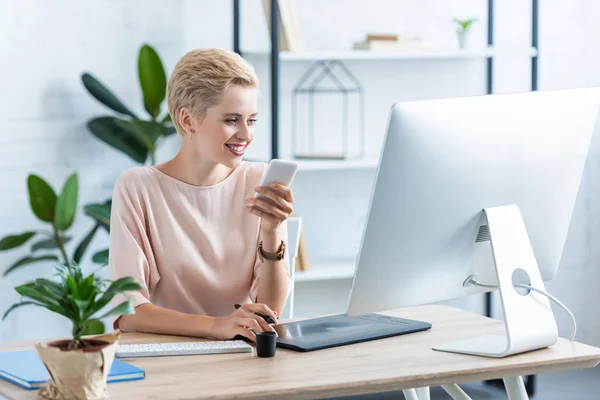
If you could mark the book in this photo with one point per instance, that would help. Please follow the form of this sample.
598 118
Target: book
289 31
393 45
375 36
26 369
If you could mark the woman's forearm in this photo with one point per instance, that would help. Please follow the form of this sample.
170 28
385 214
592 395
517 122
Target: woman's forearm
273 276
150 318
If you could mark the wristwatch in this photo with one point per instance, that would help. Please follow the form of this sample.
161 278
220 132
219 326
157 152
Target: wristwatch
277 256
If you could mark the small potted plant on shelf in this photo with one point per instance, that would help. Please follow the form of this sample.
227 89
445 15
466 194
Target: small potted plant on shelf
462 30
78 366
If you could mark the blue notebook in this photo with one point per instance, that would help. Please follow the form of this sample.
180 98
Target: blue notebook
26 369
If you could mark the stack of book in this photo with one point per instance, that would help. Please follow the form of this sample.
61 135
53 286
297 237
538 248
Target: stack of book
391 42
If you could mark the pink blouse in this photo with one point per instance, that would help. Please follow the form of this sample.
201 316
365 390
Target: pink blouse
193 248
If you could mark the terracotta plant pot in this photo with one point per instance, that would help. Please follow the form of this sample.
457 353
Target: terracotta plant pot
78 374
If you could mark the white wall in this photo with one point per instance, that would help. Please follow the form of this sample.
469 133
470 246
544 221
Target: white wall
44 46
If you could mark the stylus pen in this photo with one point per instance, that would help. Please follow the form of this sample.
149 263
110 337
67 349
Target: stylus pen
265 317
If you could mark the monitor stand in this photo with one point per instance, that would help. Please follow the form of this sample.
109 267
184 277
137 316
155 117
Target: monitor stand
529 323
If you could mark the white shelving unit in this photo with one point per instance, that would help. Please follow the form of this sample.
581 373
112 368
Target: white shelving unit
325 271
425 54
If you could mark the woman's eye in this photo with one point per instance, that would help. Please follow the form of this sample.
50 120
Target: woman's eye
252 121
230 121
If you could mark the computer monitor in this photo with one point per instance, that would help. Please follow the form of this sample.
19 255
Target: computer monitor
444 161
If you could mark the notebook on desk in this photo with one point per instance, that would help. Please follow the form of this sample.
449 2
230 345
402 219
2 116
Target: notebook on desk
26 369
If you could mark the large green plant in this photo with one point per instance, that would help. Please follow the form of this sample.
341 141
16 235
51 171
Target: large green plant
127 132
77 297
58 211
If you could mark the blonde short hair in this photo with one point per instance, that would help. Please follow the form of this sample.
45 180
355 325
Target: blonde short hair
200 78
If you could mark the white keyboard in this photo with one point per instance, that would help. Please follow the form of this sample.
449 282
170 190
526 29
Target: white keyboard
183 348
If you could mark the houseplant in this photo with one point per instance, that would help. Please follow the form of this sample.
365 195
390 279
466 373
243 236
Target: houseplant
80 365
139 138
58 211
462 30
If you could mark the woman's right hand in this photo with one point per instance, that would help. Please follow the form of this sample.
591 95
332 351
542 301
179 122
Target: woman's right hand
245 322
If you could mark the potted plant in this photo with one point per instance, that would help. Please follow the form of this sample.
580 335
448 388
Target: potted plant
139 137
58 211
78 366
462 30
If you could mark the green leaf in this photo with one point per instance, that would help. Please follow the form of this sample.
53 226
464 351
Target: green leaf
42 198
125 307
92 327
104 95
168 130
52 288
87 288
119 286
107 130
48 244
82 247
12 241
17 305
101 257
29 260
66 204
146 132
167 118
38 294
152 79
72 285
100 212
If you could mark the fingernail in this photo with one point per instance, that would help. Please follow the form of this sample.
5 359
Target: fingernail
258 189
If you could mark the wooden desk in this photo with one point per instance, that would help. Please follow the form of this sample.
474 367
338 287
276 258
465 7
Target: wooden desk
382 365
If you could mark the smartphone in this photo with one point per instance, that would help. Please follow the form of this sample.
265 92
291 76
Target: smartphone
278 171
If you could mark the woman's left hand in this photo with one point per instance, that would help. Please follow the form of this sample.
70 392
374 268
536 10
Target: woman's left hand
273 210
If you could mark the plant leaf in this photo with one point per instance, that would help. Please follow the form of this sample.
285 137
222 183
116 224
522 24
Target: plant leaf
12 241
167 118
82 247
53 288
125 307
168 130
29 260
41 198
107 130
119 286
146 132
17 305
104 95
38 294
66 204
101 257
92 327
152 79
100 212
87 290
48 244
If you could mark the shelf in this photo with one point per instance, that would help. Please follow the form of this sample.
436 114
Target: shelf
326 271
396 55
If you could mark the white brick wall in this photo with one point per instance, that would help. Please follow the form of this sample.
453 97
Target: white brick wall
44 47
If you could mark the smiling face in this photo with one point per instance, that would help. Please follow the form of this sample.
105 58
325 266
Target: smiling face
224 132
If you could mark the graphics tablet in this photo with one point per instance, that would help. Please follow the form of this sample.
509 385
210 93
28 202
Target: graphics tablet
338 330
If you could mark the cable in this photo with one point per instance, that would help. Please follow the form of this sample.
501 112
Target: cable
473 281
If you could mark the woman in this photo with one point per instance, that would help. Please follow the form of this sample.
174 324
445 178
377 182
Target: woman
190 230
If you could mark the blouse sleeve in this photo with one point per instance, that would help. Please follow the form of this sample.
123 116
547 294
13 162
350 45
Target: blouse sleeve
130 252
283 231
